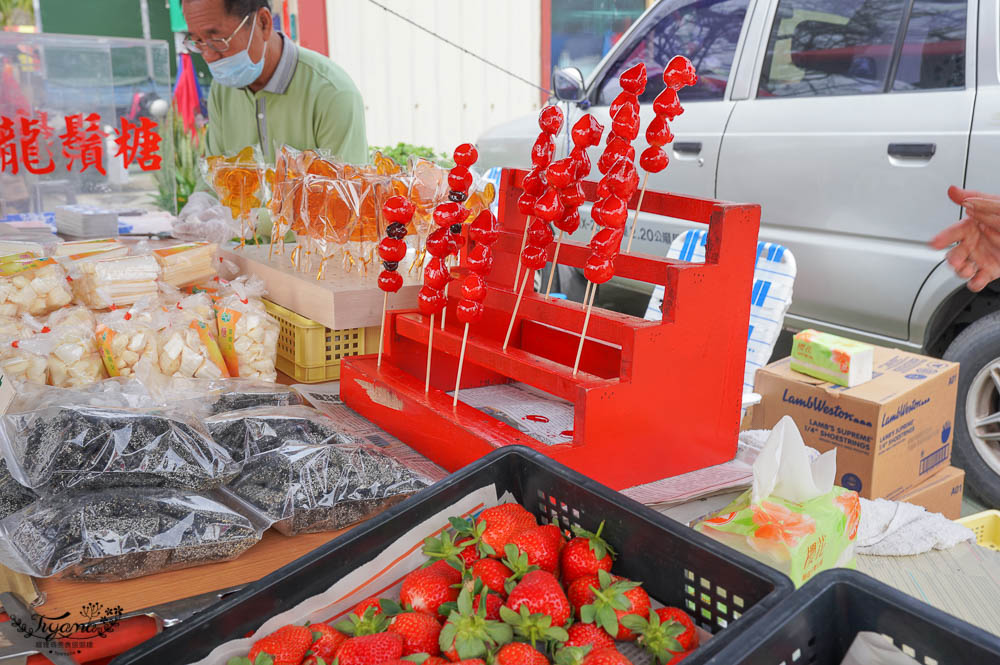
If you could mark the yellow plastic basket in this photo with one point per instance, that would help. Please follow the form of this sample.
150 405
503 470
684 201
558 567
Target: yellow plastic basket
308 351
986 526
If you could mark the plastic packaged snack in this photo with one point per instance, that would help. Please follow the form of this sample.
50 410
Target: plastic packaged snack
87 246
74 361
309 488
79 446
244 394
248 335
119 534
187 344
32 286
185 264
126 337
103 283
255 431
22 357
13 495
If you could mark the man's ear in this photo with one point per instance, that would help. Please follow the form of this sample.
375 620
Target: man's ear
265 23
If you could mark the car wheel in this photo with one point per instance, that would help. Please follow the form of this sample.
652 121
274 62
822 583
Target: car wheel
977 418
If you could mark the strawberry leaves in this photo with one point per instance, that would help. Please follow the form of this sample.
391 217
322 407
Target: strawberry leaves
474 530
607 599
367 624
533 627
660 639
262 659
469 632
598 545
572 655
517 561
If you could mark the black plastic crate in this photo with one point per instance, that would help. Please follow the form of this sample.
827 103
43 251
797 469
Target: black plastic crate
817 624
678 566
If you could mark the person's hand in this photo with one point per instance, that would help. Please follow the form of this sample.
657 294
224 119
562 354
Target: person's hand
976 254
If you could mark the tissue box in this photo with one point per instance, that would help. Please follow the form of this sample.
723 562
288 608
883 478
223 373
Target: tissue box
831 358
941 493
799 539
891 433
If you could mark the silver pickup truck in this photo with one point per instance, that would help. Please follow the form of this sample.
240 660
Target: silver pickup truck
846 120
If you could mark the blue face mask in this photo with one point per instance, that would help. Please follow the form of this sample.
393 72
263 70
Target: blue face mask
238 71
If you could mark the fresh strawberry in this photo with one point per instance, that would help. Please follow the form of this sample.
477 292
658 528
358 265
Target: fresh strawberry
420 632
503 523
369 649
608 656
468 633
542 544
519 653
615 599
541 593
286 646
678 657
585 555
493 604
588 634
662 635
446 570
689 638
360 608
426 589
326 641
493 574
581 592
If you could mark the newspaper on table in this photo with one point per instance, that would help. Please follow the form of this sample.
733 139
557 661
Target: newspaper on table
325 397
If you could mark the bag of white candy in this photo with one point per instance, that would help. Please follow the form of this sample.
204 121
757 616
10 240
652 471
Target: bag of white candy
32 286
22 357
248 335
126 337
74 361
187 345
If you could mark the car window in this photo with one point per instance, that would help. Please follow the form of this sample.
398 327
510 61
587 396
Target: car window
933 54
706 31
830 47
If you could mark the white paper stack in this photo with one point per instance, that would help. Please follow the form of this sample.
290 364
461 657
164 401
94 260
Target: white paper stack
118 282
86 221
190 263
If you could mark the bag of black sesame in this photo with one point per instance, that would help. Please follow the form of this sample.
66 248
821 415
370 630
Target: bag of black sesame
305 488
122 533
251 432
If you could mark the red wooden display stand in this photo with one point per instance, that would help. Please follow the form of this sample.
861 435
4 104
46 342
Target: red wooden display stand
652 398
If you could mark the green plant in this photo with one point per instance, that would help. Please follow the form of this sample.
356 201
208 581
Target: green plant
188 148
401 152
16 12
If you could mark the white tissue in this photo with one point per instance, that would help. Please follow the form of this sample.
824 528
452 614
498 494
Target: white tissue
783 468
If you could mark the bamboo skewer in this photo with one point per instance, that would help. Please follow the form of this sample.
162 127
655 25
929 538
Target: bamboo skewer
430 350
461 361
583 334
555 259
381 332
635 219
517 305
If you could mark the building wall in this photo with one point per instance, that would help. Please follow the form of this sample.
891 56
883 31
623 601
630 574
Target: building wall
420 90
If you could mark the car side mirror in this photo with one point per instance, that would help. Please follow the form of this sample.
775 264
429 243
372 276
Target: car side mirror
568 84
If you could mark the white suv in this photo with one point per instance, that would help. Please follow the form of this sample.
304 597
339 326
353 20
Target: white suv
846 120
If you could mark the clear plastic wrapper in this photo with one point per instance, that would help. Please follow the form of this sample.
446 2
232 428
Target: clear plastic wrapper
255 431
13 495
248 335
245 394
32 286
80 247
240 183
23 358
204 218
188 345
310 488
119 534
127 337
61 445
116 282
74 361
185 264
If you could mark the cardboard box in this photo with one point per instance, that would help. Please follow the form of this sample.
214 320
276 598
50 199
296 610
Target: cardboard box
941 493
891 433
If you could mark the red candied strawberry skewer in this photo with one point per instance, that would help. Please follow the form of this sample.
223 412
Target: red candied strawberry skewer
484 232
398 210
432 298
459 183
678 74
586 133
538 195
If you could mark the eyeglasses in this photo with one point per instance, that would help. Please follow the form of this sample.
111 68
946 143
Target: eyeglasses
220 46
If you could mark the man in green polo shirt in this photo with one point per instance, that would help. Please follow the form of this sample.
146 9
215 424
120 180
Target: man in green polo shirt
268 91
